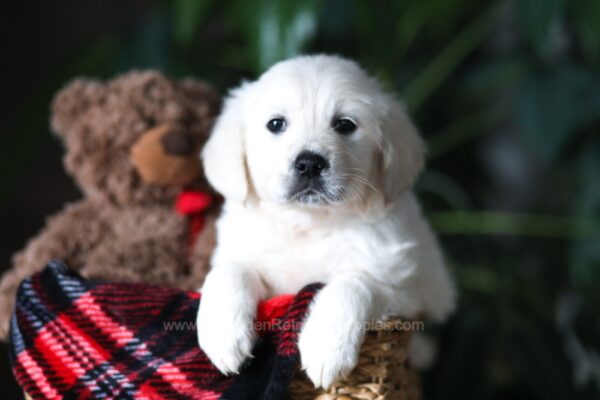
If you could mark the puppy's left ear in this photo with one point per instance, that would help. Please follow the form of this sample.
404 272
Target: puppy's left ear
403 151
224 155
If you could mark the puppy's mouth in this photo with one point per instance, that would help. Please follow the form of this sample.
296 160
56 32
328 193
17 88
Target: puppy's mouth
310 192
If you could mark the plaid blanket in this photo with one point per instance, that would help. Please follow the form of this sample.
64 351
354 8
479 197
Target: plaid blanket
75 339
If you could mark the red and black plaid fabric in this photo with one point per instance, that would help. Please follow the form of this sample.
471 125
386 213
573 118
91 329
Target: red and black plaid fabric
75 339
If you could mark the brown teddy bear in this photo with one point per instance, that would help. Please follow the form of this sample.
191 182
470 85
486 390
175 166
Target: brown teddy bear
148 215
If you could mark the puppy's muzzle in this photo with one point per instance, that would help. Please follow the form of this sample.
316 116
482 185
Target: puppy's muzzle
309 184
310 165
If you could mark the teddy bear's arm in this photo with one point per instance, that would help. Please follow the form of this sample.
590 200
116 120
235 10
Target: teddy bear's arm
148 245
68 236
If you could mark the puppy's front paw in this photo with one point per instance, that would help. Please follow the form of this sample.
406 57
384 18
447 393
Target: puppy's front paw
328 350
226 335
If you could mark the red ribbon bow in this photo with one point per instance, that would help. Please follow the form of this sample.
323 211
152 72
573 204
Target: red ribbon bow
193 204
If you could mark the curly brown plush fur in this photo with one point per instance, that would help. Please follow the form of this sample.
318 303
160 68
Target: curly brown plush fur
126 228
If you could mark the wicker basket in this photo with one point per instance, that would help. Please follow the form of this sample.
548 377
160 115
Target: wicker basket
382 372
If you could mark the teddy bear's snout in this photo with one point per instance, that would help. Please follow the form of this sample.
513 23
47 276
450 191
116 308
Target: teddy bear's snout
178 143
166 155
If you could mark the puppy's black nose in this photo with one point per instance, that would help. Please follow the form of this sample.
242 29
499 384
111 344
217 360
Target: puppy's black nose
309 164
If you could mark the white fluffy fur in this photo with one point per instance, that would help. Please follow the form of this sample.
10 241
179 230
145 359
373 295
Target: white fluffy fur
373 248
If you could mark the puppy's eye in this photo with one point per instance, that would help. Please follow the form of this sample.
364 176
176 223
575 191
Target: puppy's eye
277 125
345 126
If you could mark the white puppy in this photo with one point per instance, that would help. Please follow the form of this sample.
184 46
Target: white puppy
316 164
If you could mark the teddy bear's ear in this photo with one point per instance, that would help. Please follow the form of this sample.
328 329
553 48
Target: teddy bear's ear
71 103
202 95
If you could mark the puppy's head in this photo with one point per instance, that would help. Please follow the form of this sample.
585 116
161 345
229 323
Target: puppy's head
313 131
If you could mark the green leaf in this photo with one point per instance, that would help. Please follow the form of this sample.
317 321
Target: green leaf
477 278
410 23
187 17
499 223
445 187
451 56
445 15
459 132
537 17
551 106
586 16
277 29
585 254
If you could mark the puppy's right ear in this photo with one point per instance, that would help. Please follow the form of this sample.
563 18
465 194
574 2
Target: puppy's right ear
403 150
224 155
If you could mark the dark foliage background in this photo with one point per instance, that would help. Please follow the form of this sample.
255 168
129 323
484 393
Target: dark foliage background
507 94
